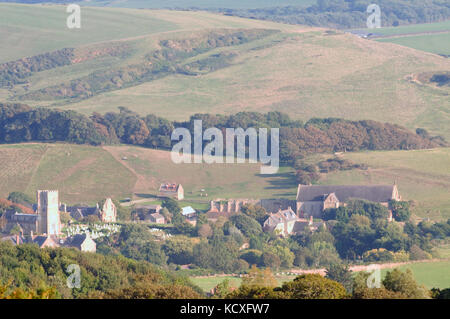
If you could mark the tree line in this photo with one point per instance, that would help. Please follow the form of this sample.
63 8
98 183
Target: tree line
347 14
21 123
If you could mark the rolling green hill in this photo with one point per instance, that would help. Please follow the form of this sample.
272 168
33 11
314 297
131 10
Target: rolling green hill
302 71
86 174
233 4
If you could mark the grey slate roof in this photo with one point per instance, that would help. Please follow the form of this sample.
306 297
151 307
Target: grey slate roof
85 210
373 193
76 240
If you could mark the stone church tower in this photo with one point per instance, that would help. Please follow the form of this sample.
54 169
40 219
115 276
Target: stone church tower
48 213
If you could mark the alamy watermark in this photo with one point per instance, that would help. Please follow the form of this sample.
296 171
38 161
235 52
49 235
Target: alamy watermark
74 279
374 279
191 150
374 19
74 19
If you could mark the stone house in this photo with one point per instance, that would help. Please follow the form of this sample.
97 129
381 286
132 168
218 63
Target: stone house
83 242
171 190
282 222
156 218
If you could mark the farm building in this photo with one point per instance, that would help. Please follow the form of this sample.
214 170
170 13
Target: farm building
171 190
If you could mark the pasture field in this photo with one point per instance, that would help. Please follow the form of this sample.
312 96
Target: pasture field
305 72
87 174
232 4
434 43
153 167
434 274
207 283
82 174
29 30
428 37
430 274
443 26
422 176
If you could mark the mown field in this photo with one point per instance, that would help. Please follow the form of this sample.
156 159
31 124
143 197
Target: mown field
435 43
429 274
428 37
302 71
422 176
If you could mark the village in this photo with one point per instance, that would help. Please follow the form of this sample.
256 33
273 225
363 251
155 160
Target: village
41 223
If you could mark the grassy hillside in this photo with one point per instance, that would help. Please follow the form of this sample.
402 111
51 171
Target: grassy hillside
83 174
301 71
28 30
422 176
414 28
429 37
86 174
233 4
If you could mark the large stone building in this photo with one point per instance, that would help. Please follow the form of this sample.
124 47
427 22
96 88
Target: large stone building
44 221
312 200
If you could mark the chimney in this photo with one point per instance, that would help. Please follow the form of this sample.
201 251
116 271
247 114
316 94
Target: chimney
211 205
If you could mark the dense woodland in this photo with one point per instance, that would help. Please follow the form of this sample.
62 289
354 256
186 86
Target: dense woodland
26 271
21 123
